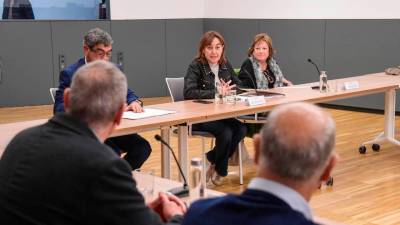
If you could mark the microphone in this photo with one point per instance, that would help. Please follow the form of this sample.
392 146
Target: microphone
252 81
178 191
316 67
310 61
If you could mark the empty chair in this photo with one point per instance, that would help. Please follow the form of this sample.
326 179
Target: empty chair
53 93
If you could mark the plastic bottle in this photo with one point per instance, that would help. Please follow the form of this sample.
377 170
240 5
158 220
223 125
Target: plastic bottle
323 82
196 184
219 98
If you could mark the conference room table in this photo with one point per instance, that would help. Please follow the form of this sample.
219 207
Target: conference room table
189 112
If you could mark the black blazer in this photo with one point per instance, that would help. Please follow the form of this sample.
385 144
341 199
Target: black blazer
247 75
59 173
199 79
252 207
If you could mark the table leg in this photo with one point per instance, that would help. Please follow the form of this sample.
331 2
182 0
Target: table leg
183 149
390 126
165 154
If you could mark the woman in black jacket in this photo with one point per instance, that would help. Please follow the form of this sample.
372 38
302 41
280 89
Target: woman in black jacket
208 69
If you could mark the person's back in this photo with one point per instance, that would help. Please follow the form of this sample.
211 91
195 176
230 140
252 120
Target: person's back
63 164
252 207
294 155
62 173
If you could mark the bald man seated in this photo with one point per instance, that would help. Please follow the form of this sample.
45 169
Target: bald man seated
294 155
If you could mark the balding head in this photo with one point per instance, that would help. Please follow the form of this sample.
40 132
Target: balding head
296 141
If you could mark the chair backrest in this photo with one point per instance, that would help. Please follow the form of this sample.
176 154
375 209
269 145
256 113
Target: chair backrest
53 93
175 88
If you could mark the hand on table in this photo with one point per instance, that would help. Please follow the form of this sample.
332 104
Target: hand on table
135 106
167 206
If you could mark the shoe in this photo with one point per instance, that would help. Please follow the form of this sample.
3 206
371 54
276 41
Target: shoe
210 171
216 179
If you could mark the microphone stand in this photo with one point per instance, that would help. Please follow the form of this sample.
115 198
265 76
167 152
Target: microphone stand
178 191
252 81
316 67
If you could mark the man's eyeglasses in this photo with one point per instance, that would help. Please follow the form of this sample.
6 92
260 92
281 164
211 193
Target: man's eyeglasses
101 53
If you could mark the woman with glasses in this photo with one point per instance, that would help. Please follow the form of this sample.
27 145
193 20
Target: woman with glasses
260 69
208 70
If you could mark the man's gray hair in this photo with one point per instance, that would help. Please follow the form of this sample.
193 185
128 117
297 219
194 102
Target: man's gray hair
98 90
297 140
97 36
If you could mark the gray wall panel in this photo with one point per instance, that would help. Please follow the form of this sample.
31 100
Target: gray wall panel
356 47
153 49
238 34
27 63
295 41
67 39
142 43
182 37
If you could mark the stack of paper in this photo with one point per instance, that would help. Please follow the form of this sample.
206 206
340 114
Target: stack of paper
148 112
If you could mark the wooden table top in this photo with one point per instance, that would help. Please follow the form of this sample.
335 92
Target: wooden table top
191 112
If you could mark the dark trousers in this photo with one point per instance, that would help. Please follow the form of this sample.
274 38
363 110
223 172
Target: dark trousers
137 148
228 133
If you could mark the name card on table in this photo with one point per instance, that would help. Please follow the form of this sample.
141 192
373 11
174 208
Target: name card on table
351 85
255 100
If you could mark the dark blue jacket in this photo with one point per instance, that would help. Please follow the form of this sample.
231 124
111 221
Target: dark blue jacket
65 81
252 207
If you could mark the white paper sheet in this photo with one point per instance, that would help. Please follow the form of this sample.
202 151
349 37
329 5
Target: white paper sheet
148 112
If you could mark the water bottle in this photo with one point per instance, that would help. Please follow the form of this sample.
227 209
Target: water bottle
323 82
196 183
219 98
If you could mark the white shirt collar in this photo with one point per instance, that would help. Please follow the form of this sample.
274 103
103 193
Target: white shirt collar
287 194
215 68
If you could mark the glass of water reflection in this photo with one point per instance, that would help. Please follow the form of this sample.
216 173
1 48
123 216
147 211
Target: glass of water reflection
145 182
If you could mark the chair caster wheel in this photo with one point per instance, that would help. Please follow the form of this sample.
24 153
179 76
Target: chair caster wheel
362 149
329 182
376 147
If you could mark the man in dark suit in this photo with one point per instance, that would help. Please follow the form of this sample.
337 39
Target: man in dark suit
17 9
62 173
293 154
97 45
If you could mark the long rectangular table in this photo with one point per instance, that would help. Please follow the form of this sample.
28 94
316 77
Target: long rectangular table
368 84
189 112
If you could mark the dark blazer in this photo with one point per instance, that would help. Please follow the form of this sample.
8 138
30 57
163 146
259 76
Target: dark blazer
252 207
59 173
199 79
22 9
247 75
65 81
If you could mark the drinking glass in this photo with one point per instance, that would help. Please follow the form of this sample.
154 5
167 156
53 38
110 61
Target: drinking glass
145 182
231 97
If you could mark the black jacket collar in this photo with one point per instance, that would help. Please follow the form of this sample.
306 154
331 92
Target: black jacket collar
73 124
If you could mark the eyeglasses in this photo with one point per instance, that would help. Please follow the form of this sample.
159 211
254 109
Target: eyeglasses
101 53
